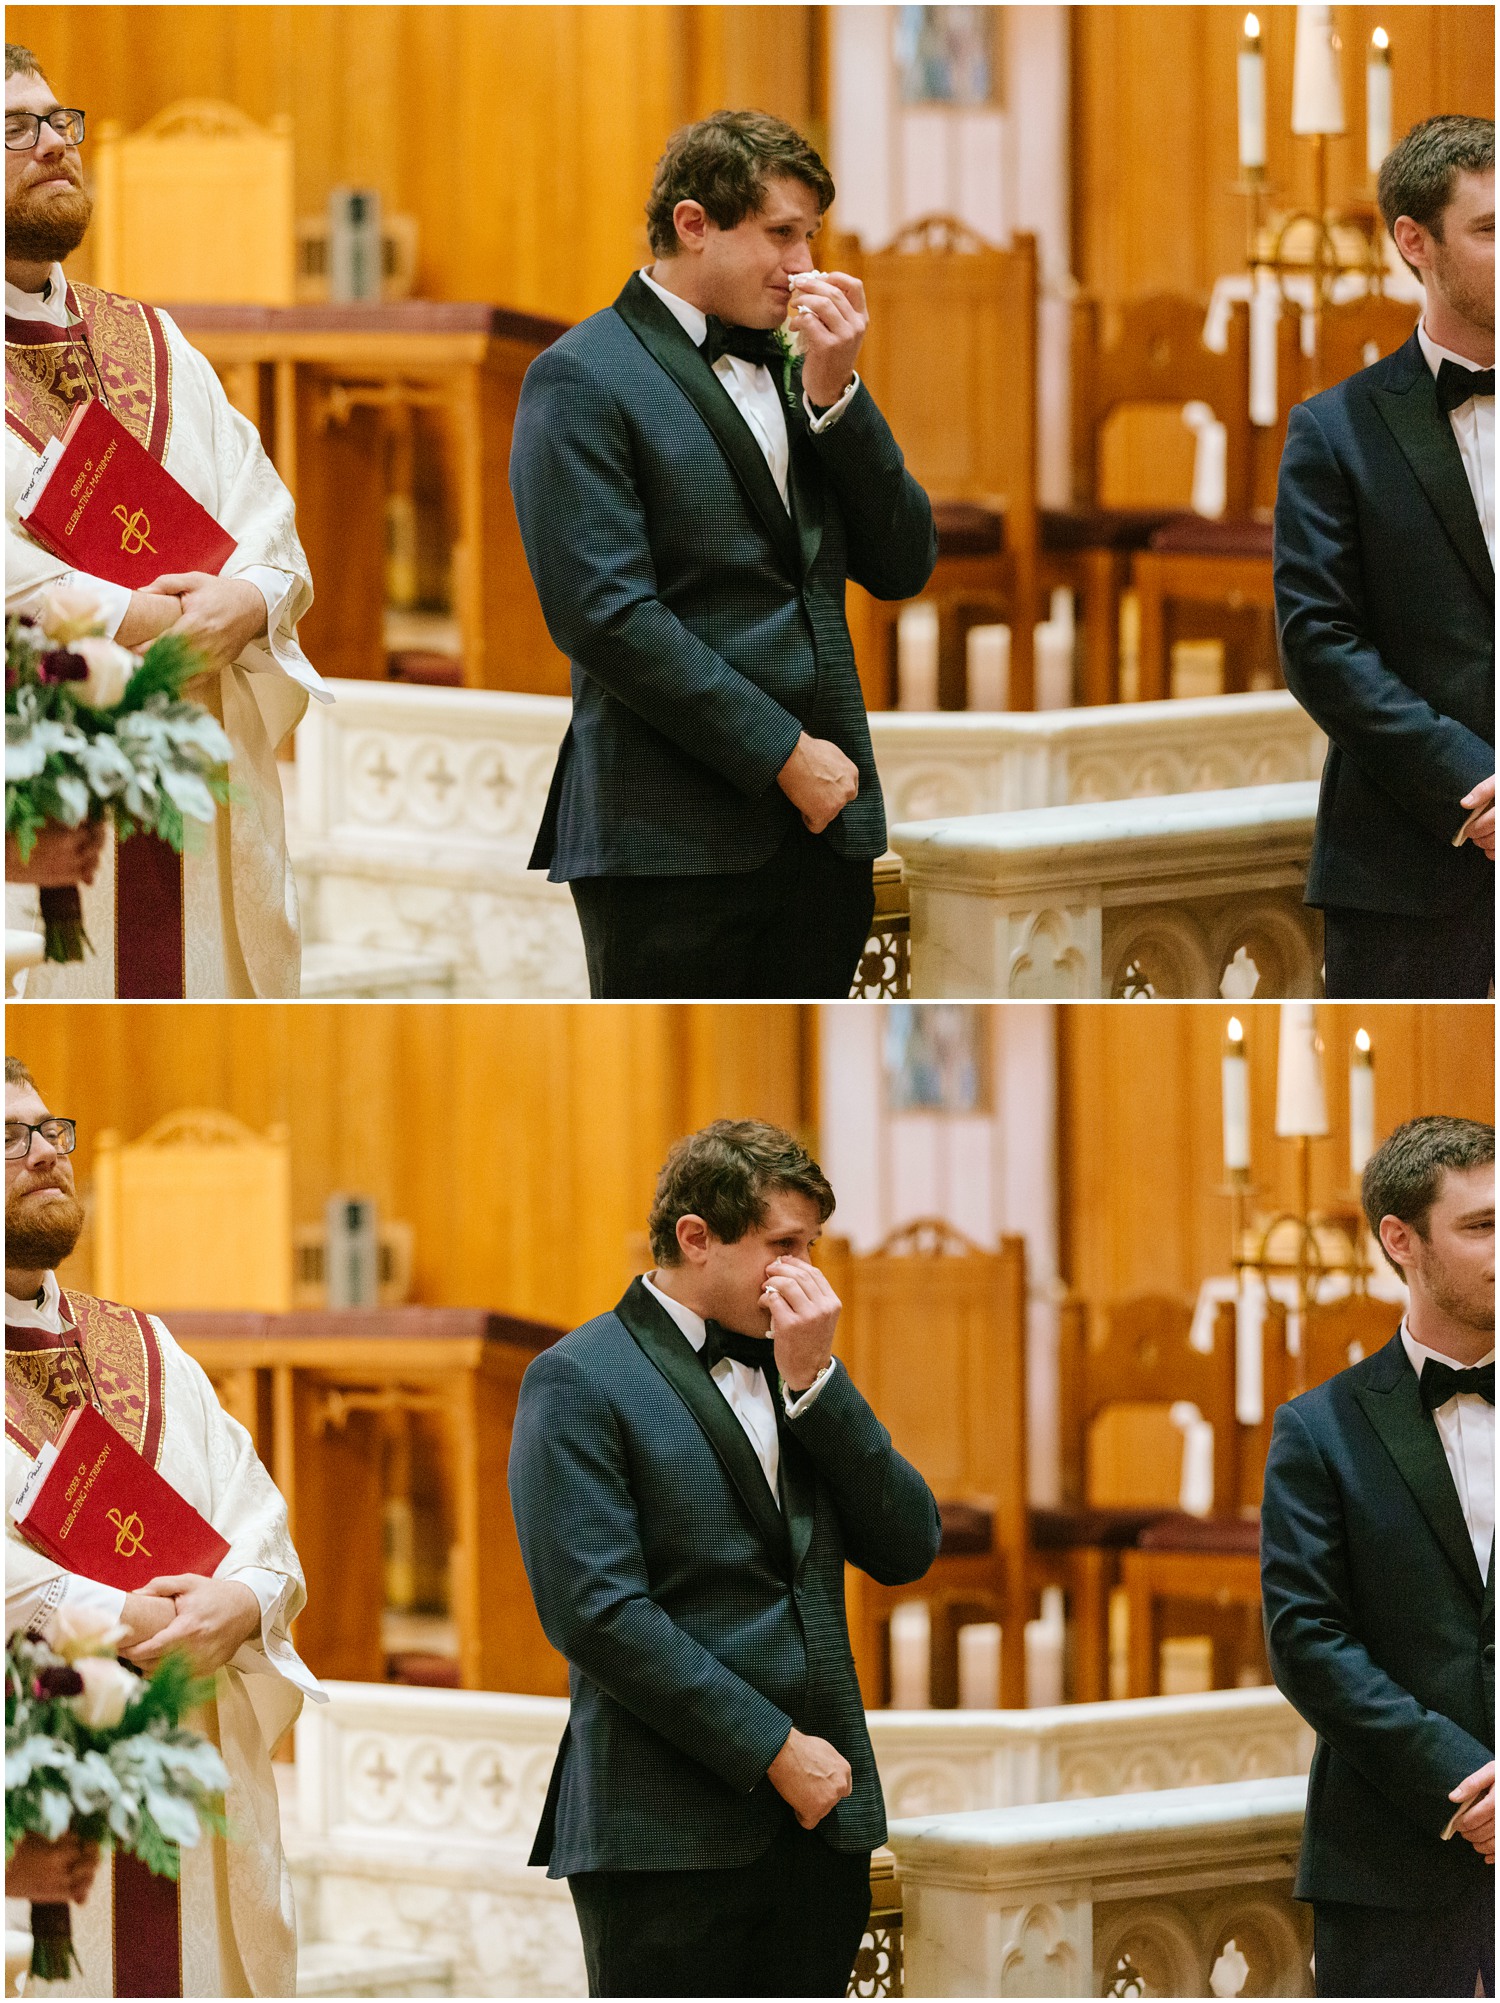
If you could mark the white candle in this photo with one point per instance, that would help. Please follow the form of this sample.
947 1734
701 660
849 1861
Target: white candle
1378 100
988 667
911 1656
1317 87
1252 96
917 657
1301 1104
1044 1652
979 1666
1361 1103
1052 659
1236 1075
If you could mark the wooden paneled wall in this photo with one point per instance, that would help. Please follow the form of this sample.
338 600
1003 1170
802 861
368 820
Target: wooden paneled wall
521 1142
521 138
1155 134
1142 1141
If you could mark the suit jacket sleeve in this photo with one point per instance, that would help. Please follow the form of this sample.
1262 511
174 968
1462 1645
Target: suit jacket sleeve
1414 1756
576 1519
888 526
1423 759
584 528
889 1519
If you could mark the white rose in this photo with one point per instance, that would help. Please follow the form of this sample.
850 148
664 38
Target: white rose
69 611
77 1631
110 667
107 1688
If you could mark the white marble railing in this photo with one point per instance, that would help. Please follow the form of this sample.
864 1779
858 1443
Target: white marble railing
415 1809
414 809
1134 897
1182 1893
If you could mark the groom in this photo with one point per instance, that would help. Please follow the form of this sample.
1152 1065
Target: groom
693 500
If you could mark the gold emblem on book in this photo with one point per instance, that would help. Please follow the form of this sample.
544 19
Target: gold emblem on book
129 1531
133 539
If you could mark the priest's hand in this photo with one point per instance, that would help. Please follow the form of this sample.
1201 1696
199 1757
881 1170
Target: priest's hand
811 1775
819 781
1476 1796
58 855
220 615
828 310
804 1313
148 614
142 1616
52 1874
212 1619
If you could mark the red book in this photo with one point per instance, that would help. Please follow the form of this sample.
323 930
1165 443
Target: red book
93 1505
101 502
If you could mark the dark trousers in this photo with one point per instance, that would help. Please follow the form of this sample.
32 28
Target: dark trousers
1372 1951
794 929
789 1924
1391 956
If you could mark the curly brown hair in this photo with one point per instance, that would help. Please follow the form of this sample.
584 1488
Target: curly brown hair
724 162
723 1174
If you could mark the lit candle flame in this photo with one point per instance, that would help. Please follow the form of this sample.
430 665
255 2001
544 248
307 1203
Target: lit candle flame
1252 27
1237 1035
1362 1039
1381 39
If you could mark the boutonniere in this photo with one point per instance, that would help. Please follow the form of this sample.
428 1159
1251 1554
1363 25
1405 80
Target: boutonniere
791 345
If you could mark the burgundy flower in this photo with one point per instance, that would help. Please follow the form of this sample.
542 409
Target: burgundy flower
63 1681
62 666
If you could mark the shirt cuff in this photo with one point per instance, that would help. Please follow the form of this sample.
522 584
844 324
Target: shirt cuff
269 1589
797 1402
90 1596
279 650
114 599
834 411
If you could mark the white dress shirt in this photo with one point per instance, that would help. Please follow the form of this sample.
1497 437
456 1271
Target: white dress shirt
46 1313
747 1391
1473 425
51 305
753 390
1466 1427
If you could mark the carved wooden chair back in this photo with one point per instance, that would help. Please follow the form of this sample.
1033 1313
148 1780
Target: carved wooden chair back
1123 1365
1150 351
228 1193
197 205
1352 336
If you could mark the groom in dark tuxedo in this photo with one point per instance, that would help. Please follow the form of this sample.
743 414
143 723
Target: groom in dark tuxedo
689 1474
1385 598
693 498
1378 1584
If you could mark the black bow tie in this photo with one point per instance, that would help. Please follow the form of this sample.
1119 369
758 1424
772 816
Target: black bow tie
751 344
1456 385
757 1351
1440 1382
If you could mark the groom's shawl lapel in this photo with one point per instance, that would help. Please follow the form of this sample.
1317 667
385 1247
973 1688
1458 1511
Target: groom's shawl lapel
666 343
671 1352
1392 1402
804 481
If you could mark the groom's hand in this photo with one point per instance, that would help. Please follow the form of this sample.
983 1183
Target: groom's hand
811 1775
211 1619
804 1313
1476 1797
1480 826
828 311
819 781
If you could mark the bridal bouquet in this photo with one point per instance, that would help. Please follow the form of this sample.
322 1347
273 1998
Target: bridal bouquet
94 1748
94 732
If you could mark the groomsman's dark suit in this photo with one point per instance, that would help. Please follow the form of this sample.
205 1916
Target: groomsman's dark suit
1385 599
701 1623
1381 1631
705 627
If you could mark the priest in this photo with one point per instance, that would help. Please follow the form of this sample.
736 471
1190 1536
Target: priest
228 1929
222 922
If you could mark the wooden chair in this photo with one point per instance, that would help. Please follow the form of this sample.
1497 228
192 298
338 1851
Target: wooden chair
1143 353
1122 1367
934 1332
197 205
1353 335
195 1214
951 360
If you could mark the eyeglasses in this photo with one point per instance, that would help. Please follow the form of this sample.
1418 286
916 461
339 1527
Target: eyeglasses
24 128
60 1135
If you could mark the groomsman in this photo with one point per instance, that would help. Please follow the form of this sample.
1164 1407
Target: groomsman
1385 598
1378 1583
693 497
